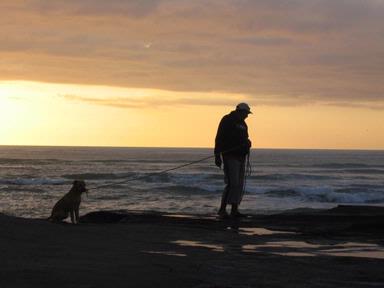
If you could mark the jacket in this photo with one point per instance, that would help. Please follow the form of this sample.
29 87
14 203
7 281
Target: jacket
232 134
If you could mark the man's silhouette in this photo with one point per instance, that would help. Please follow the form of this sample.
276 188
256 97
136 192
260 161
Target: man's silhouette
231 148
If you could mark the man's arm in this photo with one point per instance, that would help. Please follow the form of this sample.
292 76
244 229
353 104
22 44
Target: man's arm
219 142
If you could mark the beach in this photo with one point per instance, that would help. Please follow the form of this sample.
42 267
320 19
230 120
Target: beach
339 247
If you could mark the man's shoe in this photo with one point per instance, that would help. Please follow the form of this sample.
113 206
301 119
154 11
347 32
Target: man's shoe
223 215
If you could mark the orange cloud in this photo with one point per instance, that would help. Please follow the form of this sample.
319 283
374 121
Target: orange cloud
277 52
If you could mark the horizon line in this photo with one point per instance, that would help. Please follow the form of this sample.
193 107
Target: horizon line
187 147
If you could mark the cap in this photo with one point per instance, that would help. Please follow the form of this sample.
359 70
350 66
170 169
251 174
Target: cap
243 107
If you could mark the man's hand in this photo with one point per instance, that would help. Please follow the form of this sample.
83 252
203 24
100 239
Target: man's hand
218 161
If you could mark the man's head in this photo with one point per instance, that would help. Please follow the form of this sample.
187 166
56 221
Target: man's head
243 110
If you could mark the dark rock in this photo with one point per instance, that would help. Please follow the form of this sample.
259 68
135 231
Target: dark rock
102 217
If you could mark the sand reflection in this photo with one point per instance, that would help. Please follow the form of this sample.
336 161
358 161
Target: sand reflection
255 231
190 243
167 253
181 216
301 248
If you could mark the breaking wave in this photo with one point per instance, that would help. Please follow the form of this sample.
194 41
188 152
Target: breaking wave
325 194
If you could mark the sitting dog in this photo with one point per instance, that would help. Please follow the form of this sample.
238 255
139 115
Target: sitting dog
69 204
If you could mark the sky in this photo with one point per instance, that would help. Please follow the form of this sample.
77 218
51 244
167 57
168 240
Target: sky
162 73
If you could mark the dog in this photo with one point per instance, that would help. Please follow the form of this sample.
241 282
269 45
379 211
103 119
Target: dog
69 204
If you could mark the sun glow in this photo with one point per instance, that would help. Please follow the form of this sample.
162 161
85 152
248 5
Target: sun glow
37 113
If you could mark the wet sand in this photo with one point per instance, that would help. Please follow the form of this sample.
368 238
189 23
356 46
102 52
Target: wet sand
341 247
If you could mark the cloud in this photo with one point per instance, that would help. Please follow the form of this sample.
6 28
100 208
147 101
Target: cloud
298 51
118 102
157 101
371 106
94 7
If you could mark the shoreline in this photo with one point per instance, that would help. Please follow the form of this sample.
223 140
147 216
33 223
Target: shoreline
339 247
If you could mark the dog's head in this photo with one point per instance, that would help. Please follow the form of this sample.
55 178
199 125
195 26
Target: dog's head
79 186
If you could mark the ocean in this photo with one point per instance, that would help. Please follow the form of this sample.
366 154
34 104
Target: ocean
32 179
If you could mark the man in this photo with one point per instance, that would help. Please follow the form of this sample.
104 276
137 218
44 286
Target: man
231 147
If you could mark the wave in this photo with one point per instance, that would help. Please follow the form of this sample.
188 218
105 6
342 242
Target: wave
341 165
12 189
325 194
190 190
155 178
33 181
365 171
355 172
359 189
180 178
313 194
292 176
190 178
282 193
150 177
99 176
346 166
141 161
17 161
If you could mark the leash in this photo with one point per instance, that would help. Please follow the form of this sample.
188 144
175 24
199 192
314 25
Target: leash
152 174
248 171
164 171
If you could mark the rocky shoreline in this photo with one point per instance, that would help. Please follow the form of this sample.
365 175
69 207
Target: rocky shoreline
340 247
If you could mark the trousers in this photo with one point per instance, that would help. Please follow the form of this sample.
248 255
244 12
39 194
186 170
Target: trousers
234 173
